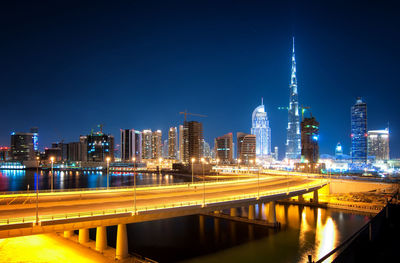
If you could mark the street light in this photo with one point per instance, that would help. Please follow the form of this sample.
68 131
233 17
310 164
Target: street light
37 191
159 168
193 159
108 166
134 183
204 183
52 179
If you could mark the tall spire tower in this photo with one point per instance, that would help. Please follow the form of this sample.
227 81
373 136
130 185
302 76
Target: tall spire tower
293 146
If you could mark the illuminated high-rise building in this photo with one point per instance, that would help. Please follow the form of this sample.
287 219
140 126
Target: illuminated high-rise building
224 148
378 144
35 132
146 144
131 145
246 147
338 151
260 128
156 144
173 143
359 132
276 156
192 141
181 143
22 146
99 147
309 140
293 143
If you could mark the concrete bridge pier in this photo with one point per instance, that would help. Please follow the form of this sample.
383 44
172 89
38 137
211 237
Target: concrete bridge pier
122 242
101 238
252 212
271 218
234 211
315 198
83 235
301 198
68 234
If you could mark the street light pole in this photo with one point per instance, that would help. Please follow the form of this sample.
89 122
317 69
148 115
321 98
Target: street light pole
108 166
217 167
52 178
134 183
204 183
258 180
37 191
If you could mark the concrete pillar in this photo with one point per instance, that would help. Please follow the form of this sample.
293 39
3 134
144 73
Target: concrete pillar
251 212
315 199
271 212
301 198
83 235
122 242
101 238
68 234
234 212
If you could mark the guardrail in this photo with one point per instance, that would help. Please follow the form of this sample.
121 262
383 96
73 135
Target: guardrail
130 187
32 219
366 232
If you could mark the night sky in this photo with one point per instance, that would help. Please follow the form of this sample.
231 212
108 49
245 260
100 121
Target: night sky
67 66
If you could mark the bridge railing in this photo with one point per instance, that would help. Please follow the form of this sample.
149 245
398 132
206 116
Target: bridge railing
130 187
141 209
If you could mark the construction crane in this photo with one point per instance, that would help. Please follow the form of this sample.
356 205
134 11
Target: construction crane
193 114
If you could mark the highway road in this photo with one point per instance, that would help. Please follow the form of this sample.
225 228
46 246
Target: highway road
24 205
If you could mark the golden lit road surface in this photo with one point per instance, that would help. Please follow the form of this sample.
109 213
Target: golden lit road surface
46 248
14 206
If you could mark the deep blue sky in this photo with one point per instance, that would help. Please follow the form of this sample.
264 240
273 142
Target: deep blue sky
66 66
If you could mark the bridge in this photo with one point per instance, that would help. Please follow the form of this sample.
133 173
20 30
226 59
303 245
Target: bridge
82 209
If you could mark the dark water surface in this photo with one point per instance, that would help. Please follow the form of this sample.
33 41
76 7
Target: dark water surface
305 230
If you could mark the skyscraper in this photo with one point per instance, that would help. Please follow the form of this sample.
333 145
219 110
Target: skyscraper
156 144
146 144
309 140
223 148
173 143
260 128
378 144
22 146
99 147
293 145
192 141
246 147
359 132
338 151
181 143
131 145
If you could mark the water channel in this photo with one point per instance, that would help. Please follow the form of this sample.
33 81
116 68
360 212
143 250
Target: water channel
305 230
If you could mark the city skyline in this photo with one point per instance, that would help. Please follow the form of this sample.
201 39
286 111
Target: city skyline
65 102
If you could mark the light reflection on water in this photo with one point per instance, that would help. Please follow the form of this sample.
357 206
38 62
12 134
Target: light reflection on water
18 180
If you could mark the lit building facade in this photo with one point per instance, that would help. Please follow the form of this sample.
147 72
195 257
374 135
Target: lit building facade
224 148
378 144
359 132
192 141
293 141
22 146
173 143
260 128
181 143
246 147
156 144
338 151
309 140
99 147
35 134
131 145
147 144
